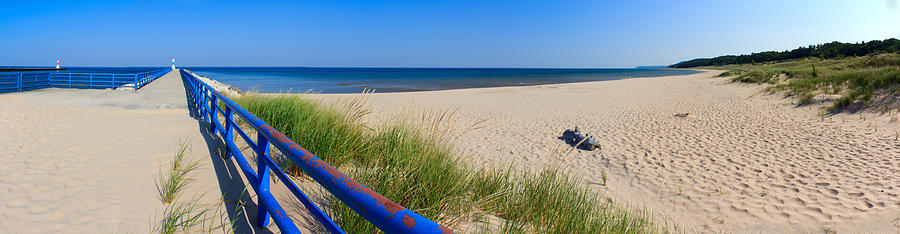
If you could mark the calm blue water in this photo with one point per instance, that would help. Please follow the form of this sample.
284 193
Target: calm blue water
354 80
111 70
115 70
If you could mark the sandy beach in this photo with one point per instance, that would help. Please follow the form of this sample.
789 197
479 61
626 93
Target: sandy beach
86 161
491 116
741 161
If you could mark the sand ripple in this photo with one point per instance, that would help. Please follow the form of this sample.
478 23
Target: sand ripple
72 163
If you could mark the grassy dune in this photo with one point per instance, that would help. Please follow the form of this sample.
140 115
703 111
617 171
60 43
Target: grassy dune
410 161
864 80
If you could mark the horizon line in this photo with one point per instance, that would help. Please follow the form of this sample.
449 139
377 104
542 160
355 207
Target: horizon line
399 67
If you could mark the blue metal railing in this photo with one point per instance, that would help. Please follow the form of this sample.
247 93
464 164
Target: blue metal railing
23 81
145 78
26 81
385 214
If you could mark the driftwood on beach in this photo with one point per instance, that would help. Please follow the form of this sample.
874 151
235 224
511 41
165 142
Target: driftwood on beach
581 140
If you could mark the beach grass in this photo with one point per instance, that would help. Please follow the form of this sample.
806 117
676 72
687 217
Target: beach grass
553 201
185 215
171 181
411 161
334 137
862 80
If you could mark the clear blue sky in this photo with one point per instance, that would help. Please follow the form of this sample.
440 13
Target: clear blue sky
424 33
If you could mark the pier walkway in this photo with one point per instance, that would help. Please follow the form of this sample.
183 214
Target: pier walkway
86 161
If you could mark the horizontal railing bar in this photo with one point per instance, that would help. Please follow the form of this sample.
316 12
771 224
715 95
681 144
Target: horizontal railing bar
32 80
240 131
244 135
242 162
320 215
96 74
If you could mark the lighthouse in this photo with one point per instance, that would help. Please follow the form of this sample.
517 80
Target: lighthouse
57 64
173 64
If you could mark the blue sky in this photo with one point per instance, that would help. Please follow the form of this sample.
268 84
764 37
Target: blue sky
424 33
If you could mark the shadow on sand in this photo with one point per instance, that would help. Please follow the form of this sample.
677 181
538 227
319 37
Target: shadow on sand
235 193
241 208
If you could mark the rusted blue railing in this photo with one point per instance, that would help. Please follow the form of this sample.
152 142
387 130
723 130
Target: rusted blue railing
26 81
385 214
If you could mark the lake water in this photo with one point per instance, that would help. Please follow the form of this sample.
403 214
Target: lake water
355 80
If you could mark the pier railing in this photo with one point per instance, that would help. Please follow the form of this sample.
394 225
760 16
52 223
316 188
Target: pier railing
23 81
385 214
26 81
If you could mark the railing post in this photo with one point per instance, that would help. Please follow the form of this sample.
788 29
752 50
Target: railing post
203 103
213 113
196 91
262 172
197 102
91 82
135 81
197 94
229 134
201 96
19 82
200 107
70 80
113 81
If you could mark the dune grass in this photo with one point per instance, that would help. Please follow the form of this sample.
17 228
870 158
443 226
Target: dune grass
182 217
853 80
332 136
179 215
170 182
411 162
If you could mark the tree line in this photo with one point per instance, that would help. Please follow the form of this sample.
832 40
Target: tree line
825 51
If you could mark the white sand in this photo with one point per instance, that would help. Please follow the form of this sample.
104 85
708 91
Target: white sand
85 161
740 162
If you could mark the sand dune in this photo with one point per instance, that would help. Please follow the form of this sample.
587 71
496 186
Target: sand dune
741 161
